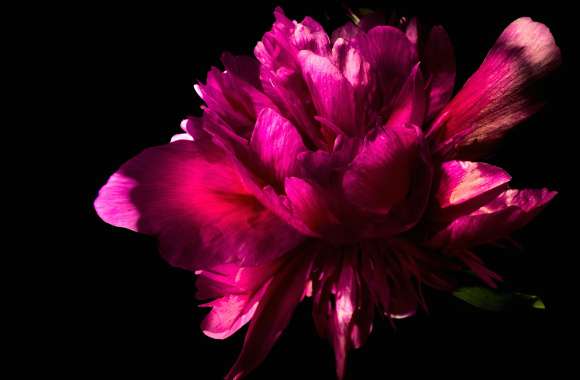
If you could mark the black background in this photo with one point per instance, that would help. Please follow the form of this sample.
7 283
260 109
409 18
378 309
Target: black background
129 73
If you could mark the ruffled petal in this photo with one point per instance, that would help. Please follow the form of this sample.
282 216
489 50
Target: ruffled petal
234 101
501 93
189 196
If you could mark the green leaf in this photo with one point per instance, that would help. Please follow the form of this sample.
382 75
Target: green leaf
491 300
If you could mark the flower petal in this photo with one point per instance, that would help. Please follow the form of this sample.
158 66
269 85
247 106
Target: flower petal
509 211
235 101
392 57
380 175
274 311
189 196
332 94
277 144
230 313
409 107
460 181
500 94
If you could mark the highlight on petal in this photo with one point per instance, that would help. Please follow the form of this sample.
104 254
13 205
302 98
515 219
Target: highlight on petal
189 196
237 291
508 212
500 94
235 101
342 308
460 181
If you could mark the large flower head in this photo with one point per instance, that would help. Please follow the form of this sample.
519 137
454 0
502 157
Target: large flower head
338 168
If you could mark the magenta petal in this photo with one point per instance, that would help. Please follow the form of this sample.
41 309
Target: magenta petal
342 308
332 94
350 62
230 313
189 196
274 311
409 107
310 203
499 94
277 144
439 62
509 211
392 56
380 174
233 100
460 181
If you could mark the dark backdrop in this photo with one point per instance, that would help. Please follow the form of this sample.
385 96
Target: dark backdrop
132 70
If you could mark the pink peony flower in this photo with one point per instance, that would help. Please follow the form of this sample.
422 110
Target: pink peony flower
339 168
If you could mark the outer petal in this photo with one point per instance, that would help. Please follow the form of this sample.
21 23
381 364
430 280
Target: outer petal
188 195
277 144
461 181
274 312
244 67
509 211
500 94
230 313
235 101
332 94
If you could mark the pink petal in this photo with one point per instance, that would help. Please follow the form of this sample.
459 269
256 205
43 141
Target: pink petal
235 101
439 62
189 196
410 105
460 181
509 211
500 94
230 313
332 94
380 175
274 312
351 63
277 144
342 308
310 203
392 56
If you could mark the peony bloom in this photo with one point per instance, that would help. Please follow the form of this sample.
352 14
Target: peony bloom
338 168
